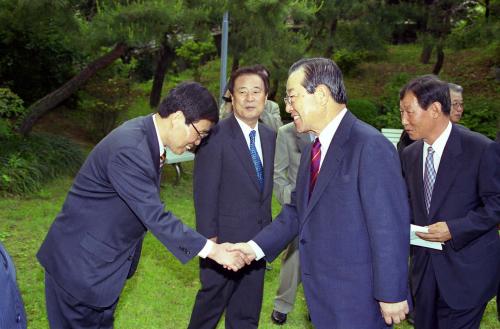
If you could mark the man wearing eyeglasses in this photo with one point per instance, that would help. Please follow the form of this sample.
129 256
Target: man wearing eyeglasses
233 184
457 102
349 209
94 244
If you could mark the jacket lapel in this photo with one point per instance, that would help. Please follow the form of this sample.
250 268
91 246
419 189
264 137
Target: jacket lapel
331 162
266 140
449 167
240 147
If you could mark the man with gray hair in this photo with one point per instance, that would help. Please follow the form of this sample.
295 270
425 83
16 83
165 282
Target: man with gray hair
457 102
349 210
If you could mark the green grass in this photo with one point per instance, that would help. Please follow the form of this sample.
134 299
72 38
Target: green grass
162 292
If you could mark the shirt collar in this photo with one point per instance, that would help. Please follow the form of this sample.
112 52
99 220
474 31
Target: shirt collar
246 128
160 143
440 142
326 136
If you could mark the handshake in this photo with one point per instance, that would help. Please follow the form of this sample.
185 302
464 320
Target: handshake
232 256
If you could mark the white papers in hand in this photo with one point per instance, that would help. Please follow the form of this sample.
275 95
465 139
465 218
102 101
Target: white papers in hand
416 241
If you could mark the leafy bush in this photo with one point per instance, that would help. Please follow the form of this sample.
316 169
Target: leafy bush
11 108
391 117
348 60
365 110
482 115
27 163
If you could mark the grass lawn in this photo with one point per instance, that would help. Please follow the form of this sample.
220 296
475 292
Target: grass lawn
162 292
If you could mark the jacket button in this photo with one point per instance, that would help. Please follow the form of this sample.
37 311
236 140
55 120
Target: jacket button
18 318
188 252
129 257
302 241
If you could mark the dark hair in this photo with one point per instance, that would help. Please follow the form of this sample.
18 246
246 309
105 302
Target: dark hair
322 71
428 89
247 70
193 100
262 68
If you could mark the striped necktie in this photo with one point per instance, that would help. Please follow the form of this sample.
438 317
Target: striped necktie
315 161
163 157
429 177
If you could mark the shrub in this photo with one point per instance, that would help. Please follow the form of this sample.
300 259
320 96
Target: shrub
348 60
11 109
482 115
27 163
365 110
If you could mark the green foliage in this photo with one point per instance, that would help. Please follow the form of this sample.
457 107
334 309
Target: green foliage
194 52
27 163
482 115
11 109
348 60
391 117
365 110
103 101
40 42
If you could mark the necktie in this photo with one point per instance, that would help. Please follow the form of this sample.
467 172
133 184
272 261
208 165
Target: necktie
315 161
256 160
163 157
429 177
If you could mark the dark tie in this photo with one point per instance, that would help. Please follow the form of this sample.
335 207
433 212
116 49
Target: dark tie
429 177
315 161
256 160
163 157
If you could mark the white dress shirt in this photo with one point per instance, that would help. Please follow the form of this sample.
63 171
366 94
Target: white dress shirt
246 129
438 147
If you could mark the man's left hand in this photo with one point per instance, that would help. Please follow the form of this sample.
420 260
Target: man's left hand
438 232
394 313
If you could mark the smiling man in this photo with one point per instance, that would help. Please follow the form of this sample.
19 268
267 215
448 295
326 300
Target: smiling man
94 244
349 209
453 179
233 184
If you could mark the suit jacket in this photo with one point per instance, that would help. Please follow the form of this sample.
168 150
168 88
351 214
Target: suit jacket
12 314
289 146
114 200
354 231
227 197
466 196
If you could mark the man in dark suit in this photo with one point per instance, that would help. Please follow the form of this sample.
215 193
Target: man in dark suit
233 183
453 178
12 314
349 209
289 146
94 243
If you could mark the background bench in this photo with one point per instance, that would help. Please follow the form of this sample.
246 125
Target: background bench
176 161
392 134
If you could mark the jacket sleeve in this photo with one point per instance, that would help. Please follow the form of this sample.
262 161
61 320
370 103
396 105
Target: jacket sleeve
131 175
485 217
282 185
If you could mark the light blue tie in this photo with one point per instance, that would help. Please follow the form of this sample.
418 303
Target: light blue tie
429 177
256 160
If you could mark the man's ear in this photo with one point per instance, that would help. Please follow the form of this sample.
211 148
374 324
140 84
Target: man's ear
178 117
321 93
436 109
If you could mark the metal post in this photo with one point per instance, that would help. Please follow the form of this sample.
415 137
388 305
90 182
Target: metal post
223 55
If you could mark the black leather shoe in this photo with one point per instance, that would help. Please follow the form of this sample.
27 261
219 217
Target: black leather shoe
278 317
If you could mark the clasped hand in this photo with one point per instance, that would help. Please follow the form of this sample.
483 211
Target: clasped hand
232 256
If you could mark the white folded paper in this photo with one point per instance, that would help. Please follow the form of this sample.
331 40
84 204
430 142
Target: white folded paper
416 241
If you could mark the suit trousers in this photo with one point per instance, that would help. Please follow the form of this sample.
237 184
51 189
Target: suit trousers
239 293
289 279
432 311
66 312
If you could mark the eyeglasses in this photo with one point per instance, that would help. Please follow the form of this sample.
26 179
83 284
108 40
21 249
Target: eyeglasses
200 135
457 104
289 99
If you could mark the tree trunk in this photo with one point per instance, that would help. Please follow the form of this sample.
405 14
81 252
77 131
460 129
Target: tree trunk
487 10
425 56
331 35
50 101
440 59
159 76
236 63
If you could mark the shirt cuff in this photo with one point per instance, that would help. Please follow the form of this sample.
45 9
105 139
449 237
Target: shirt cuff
206 249
256 249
